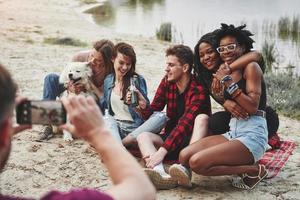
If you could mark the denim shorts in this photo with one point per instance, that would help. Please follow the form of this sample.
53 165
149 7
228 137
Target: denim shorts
252 133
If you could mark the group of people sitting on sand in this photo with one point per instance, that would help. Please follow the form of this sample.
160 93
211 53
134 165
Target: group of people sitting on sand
222 66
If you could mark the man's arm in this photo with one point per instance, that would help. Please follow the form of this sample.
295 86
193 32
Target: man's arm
158 102
129 180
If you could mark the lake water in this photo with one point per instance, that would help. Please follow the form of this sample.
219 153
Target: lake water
192 18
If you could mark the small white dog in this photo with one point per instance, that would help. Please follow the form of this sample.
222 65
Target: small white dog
78 72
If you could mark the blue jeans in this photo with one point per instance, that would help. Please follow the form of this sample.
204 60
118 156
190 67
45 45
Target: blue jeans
154 124
120 129
52 87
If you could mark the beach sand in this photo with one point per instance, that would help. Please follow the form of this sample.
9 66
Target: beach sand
36 167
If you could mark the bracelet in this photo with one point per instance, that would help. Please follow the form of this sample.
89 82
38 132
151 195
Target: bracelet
236 93
226 78
232 88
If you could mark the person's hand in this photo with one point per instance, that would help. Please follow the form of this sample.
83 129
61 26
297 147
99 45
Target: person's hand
128 97
219 74
75 87
216 86
156 158
85 117
19 128
225 68
142 103
235 109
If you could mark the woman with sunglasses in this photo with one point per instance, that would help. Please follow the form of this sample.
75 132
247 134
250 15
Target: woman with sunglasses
244 96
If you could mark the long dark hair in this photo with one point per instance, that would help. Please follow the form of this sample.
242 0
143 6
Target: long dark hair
127 50
203 75
106 48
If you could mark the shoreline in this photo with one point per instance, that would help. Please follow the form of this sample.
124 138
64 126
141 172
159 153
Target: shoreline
35 168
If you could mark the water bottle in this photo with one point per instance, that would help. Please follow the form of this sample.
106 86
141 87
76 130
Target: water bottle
134 96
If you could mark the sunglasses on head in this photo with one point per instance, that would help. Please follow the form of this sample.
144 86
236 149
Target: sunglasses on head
228 48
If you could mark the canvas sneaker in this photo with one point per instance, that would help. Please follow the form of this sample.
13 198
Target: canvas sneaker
160 181
181 174
46 133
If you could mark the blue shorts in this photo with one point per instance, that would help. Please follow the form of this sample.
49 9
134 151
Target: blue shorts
253 133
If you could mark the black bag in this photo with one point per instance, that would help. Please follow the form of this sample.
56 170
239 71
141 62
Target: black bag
272 121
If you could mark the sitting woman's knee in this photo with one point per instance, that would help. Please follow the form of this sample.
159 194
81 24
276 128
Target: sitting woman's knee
184 156
198 165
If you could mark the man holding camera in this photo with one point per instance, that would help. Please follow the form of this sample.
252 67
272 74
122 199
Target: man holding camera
87 122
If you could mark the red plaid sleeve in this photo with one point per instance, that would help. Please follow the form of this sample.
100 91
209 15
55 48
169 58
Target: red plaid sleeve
198 103
158 102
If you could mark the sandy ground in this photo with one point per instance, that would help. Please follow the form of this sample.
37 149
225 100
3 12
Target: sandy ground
36 167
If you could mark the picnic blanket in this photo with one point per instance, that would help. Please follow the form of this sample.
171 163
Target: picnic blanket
275 159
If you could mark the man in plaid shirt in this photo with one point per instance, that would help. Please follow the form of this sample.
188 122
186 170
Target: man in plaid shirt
185 99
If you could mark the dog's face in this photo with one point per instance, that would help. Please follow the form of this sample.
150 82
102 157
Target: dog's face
76 72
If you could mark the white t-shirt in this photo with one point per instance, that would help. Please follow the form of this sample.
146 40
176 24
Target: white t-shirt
119 108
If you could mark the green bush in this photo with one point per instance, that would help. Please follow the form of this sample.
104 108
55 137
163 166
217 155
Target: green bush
164 32
88 1
65 41
284 27
289 28
283 93
269 54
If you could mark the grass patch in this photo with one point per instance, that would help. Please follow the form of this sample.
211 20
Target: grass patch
269 54
164 32
88 1
289 28
29 41
67 41
283 93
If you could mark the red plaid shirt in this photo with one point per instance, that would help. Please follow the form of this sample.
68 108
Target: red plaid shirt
196 101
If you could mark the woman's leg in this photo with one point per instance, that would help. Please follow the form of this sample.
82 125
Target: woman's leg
200 129
222 159
148 143
181 172
200 145
52 87
227 158
112 125
154 125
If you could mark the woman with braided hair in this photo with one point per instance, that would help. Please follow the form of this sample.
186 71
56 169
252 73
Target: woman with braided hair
244 92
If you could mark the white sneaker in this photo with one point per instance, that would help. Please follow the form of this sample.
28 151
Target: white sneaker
181 174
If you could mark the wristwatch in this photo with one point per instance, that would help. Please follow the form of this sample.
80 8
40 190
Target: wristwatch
226 78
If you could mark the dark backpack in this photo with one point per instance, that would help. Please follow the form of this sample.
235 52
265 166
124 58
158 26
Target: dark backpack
272 121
